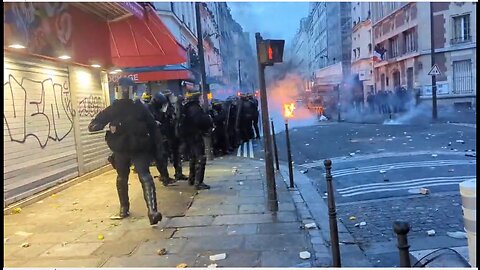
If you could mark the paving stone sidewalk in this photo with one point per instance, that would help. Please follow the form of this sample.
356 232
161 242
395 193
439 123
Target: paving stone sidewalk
72 228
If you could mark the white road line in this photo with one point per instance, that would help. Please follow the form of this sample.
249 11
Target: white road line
403 188
390 184
336 160
390 166
250 143
418 165
244 146
239 151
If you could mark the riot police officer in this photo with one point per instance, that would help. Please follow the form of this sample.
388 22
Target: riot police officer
158 107
219 134
130 138
172 142
245 116
193 124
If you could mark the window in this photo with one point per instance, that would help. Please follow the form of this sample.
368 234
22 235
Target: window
354 54
461 29
358 49
462 77
410 42
394 48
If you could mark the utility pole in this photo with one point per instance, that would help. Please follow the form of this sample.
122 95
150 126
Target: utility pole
201 58
432 55
267 139
239 76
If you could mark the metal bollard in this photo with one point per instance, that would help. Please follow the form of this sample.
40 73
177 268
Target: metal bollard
332 214
275 150
289 153
401 229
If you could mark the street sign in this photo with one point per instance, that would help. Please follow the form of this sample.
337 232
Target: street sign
434 71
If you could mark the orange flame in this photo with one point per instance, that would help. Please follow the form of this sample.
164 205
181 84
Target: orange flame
288 110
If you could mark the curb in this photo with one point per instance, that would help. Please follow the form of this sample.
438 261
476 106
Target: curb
317 209
55 189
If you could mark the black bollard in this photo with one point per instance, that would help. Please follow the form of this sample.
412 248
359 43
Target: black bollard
289 153
401 229
275 150
332 214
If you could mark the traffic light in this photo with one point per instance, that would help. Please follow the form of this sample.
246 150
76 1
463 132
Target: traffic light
271 51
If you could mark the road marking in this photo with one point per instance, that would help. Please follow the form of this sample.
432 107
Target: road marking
397 183
250 143
239 151
401 165
397 166
244 146
336 160
434 183
413 184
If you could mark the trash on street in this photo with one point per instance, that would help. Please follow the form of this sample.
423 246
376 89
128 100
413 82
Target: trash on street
218 257
457 235
305 255
431 232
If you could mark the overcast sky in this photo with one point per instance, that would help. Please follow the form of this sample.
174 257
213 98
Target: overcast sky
274 20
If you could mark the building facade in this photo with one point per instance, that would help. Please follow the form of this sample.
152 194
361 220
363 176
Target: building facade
362 48
402 33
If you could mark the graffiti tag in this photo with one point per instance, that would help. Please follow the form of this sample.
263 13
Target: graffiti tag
38 109
91 106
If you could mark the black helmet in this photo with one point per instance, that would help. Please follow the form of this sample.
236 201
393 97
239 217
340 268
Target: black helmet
159 99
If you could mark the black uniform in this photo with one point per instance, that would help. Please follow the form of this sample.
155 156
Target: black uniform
194 123
130 137
246 113
219 117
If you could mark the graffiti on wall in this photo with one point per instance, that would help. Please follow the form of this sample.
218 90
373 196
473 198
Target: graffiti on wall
90 106
37 109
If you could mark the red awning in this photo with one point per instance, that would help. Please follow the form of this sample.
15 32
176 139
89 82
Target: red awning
144 42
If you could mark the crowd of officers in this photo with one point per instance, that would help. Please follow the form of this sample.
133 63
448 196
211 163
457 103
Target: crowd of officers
387 102
163 128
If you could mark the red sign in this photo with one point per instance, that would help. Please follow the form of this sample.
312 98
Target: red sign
134 8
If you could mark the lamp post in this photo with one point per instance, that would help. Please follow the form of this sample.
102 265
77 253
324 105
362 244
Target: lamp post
432 55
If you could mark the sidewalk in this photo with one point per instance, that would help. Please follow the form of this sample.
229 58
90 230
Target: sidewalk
73 229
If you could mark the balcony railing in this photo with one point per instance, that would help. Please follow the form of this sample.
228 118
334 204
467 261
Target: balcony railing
463 39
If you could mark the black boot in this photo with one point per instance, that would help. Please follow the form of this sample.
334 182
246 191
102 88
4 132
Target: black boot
191 173
150 197
181 176
122 189
200 174
167 180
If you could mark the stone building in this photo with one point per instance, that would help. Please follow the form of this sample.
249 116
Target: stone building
402 31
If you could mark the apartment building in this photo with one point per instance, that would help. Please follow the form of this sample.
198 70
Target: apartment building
362 48
402 36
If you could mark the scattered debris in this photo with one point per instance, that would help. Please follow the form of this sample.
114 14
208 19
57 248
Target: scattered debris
5 240
424 191
234 170
307 144
460 141
218 257
352 154
457 235
449 143
363 223
431 232
305 255
389 140
404 132
451 170
304 171
434 155
310 225
16 210
352 218
383 171
25 245
64 244
100 237
182 265
357 151
240 183
471 154
161 251
213 265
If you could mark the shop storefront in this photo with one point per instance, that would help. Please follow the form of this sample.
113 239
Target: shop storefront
56 62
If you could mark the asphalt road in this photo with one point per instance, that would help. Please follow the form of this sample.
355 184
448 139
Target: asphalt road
378 172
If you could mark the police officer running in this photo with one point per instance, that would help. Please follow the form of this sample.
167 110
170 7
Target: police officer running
130 137
193 124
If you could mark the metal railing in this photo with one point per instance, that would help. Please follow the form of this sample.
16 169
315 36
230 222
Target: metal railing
458 40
